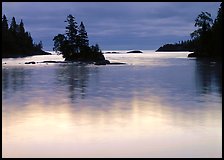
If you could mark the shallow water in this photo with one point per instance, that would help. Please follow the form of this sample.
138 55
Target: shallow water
156 105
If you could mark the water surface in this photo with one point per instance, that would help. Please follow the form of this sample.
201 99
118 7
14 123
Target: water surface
156 105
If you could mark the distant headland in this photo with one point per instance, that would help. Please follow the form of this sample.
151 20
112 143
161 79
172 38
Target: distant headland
206 41
17 42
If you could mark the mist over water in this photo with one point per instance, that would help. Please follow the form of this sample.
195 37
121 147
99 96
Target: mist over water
156 105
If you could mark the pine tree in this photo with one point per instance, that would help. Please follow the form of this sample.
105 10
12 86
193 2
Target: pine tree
217 33
71 32
82 37
4 24
13 25
21 27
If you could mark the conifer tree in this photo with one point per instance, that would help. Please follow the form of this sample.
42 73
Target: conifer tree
21 27
71 32
82 37
4 24
13 25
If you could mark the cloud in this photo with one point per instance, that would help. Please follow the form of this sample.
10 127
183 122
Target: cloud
111 23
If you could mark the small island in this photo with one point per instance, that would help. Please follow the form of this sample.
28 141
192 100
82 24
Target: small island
135 51
16 42
74 45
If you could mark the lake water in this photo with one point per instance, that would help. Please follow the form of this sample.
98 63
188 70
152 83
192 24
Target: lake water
155 105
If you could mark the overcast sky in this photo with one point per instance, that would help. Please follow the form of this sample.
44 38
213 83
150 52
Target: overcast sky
113 25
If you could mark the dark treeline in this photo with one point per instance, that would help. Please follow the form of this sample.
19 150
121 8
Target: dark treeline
206 41
188 45
74 44
16 41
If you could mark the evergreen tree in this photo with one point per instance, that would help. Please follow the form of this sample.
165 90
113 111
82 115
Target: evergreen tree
13 25
71 32
4 24
217 33
82 37
16 42
204 23
21 27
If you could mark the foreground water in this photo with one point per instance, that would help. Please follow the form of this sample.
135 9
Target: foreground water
156 105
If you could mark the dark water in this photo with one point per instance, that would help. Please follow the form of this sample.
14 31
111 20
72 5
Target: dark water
154 106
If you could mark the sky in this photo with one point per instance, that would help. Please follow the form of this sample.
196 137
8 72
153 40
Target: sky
113 25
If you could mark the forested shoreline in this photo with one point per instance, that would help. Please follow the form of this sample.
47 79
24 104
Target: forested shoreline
17 42
206 41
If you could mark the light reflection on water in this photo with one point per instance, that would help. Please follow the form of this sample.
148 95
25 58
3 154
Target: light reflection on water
168 108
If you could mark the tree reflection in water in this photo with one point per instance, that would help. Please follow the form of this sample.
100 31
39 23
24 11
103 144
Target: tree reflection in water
75 78
208 76
14 80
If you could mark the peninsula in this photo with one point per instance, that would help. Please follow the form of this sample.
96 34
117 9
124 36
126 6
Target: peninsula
16 42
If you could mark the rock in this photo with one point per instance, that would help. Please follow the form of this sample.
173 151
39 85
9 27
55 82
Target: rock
192 55
50 62
116 63
32 62
113 52
103 62
135 51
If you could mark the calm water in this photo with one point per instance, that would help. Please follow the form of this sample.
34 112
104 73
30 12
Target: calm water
157 105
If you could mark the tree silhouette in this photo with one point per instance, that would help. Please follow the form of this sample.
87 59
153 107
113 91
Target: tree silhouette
206 41
71 32
217 36
16 41
74 44
21 27
4 24
83 37
13 25
204 23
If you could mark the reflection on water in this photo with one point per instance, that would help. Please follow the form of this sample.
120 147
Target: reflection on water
209 76
70 110
75 78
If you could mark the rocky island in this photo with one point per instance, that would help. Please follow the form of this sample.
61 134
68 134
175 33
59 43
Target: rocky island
135 51
74 45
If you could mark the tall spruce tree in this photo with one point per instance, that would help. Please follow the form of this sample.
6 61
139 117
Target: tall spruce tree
82 37
5 25
13 25
21 27
71 32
